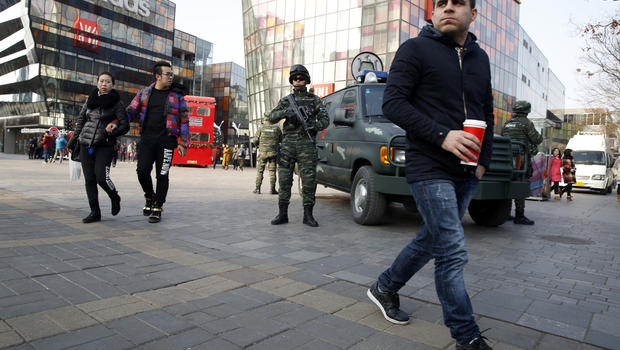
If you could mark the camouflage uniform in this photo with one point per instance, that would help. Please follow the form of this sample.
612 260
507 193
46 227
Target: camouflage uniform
519 128
268 140
298 148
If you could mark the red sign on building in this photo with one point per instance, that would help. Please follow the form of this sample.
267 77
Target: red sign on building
322 90
86 34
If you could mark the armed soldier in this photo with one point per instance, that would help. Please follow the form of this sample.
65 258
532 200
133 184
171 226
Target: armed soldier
519 128
305 116
268 140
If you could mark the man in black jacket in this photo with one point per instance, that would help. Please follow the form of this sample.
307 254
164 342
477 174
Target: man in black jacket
436 81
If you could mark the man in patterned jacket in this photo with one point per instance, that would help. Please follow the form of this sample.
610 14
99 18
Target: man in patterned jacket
162 115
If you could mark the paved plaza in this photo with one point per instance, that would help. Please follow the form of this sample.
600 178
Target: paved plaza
214 274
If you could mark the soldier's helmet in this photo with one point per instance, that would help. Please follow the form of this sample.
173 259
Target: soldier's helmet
298 69
522 107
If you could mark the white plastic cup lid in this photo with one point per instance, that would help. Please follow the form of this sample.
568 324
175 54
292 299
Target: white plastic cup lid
475 123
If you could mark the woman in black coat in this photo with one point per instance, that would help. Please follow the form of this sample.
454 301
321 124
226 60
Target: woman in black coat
101 120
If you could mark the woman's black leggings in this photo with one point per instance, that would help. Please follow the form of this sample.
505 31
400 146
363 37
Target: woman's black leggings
556 187
96 169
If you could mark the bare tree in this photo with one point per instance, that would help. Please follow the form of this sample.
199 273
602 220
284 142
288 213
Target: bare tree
601 59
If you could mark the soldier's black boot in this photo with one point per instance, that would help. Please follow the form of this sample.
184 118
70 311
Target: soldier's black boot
257 189
522 220
273 189
282 217
308 218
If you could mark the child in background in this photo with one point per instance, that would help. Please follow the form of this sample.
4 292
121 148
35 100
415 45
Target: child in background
568 173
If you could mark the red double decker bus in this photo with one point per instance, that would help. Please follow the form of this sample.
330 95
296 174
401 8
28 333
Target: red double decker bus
201 114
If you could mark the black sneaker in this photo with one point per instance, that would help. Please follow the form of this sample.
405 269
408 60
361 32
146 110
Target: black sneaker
94 216
146 211
155 215
474 344
388 303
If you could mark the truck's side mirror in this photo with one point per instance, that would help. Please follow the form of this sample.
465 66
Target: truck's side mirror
344 116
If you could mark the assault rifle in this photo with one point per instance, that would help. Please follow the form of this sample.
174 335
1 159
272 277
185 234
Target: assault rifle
302 114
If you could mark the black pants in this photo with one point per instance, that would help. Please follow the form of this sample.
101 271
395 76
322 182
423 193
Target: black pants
158 150
567 189
556 187
96 169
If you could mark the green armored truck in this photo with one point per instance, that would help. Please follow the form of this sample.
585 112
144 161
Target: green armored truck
363 153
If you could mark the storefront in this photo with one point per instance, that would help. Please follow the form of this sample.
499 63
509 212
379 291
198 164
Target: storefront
51 52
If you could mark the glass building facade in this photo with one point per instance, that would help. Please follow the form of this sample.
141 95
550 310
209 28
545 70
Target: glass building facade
226 82
326 35
52 50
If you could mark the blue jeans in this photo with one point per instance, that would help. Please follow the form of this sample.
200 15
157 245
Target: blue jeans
442 204
47 153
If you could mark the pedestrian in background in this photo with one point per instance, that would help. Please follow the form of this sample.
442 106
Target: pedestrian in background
117 150
268 139
162 114
226 156
48 145
32 145
235 156
241 153
568 173
131 151
298 145
61 143
555 166
422 98
101 120
217 152
123 151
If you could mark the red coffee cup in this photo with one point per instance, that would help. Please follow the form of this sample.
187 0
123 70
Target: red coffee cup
476 128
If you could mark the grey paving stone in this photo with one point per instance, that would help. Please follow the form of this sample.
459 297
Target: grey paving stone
380 341
219 326
336 331
136 330
223 310
114 342
304 255
24 305
552 342
179 275
192 306
185 340
573 316
603 339
310 277
552 326
164 321
318 344
246 298
216 344
509 333
298 316
198 318
71 339
290 339
9 273
244 337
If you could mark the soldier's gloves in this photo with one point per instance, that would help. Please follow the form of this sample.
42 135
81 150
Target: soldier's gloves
291 117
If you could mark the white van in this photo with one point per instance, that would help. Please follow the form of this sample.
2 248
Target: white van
594 162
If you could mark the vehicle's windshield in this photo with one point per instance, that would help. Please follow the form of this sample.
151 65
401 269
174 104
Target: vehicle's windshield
589 157
372 98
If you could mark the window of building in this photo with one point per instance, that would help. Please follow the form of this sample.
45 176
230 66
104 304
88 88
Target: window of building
523 78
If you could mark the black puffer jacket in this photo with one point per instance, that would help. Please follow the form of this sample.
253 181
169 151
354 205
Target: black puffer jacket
98 111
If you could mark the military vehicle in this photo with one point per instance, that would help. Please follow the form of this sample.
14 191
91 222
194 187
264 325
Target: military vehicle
363 153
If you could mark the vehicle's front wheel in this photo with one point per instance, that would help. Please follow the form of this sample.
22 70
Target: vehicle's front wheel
491 212
368 206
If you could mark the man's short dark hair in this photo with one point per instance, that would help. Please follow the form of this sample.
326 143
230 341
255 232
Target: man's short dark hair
472 3
157 67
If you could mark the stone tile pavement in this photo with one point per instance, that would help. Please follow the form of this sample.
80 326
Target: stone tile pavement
215 275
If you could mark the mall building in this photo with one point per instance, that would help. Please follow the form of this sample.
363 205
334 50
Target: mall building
325 35
52 50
